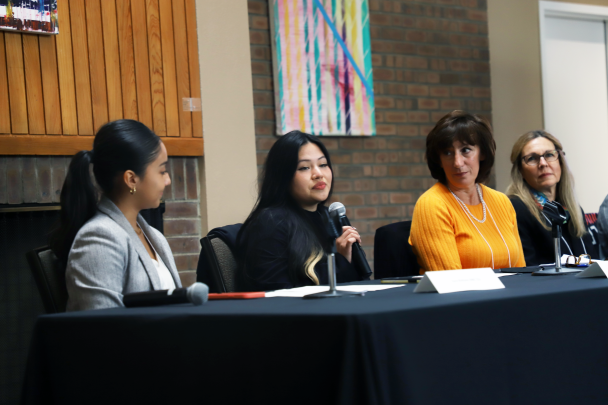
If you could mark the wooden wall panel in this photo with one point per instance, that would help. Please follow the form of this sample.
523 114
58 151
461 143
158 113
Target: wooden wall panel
136 59
16 82
65 67
81 67
169 74
181 66
156 68
5 109
127 59
50 84
142 67
97 64
69 145
195 78
112 58
33 83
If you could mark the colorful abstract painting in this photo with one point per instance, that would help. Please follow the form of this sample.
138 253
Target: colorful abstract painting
32 16
323 67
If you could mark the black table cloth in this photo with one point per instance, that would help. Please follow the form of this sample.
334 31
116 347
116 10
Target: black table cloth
542 340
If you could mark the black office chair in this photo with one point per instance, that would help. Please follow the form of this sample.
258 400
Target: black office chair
221 263
393 255
49 274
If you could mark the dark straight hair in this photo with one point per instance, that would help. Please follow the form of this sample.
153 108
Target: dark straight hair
118 146
275 192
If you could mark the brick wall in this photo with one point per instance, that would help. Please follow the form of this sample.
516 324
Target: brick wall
39 180
430 57
32 179
182 219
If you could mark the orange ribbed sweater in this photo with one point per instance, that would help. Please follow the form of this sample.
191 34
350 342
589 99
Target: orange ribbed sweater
443 238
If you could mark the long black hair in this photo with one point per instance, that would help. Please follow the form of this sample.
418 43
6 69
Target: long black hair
305 246
118 146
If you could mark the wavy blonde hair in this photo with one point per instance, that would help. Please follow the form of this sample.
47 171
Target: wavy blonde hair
564 192
310 263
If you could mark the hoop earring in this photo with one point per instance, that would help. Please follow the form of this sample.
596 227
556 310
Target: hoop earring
132 191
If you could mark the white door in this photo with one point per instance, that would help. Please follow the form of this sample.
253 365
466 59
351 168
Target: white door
575 97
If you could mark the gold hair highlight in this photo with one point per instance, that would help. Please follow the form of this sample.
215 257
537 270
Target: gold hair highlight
310 263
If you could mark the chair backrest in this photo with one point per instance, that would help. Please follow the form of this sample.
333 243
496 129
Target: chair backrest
49 274
591 218
393 255
221 262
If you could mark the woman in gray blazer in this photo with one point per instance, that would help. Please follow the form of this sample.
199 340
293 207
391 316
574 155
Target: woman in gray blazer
108 248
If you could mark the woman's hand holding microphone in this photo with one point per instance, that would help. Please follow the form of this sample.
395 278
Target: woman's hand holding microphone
344 244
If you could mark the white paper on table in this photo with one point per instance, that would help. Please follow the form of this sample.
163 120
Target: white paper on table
505 274
597 269
299 292
459 280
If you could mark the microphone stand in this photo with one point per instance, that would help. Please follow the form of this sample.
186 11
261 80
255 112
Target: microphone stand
556 231
331 268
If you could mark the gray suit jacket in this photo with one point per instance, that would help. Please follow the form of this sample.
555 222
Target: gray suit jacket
108 260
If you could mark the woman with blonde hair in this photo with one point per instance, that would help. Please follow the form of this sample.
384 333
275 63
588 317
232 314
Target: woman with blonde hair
539 174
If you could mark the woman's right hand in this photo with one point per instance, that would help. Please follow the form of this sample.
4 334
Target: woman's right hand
344 244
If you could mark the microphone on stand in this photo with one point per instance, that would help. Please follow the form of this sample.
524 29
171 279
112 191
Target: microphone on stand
196 294
337 211
558 217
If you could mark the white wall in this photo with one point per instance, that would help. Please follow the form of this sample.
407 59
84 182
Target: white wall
575 95
515 68
516 77
228 169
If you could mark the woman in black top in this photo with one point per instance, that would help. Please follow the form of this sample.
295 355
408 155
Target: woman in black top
282 243
539 174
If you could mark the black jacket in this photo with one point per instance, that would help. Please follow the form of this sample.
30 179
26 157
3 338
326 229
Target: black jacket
263 250
538 242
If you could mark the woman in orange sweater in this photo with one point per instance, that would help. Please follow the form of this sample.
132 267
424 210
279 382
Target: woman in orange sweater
459 223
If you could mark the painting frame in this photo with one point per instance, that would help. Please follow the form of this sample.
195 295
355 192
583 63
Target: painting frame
322 67
29 16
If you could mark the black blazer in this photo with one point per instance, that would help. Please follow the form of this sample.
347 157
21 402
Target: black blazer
538 242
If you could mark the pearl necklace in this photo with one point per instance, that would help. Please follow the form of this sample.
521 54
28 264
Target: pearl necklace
464 206
470 215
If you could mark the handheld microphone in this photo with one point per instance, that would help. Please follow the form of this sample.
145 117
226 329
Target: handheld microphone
196 294
338 212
